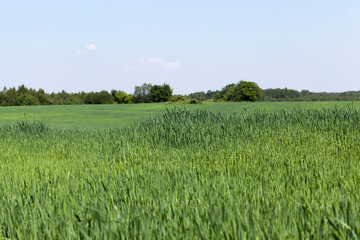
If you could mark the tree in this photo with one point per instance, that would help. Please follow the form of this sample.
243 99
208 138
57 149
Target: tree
103 97
210 94
10 97
121 97
220 95
141 93
305 92
280 94
161 93
90 98
2 97
200 96
27 100
22 90
41 96
242 91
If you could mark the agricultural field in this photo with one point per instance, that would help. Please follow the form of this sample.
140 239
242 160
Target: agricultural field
96 117
156 171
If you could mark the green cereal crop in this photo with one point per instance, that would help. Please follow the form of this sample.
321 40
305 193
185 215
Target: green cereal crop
290 174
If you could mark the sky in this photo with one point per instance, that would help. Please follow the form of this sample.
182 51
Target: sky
197 45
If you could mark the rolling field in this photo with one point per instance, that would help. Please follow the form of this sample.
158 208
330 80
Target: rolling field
211 171
95 117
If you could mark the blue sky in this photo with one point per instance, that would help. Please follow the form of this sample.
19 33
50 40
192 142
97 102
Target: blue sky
192 45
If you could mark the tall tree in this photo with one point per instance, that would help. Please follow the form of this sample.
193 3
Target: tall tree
161 93
141 93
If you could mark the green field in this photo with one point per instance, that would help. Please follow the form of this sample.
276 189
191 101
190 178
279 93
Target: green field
94 117
210 171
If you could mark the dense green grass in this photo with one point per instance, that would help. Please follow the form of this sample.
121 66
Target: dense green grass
90 117
290 174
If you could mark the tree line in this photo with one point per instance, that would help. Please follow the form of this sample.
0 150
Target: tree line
23 96
238 92
148 93
282 95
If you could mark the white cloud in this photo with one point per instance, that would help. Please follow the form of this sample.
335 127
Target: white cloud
152 63
91 47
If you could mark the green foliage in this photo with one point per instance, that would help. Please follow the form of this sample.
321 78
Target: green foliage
221 94
202 96
102 97
26 100
184 174
141 93
161 93
193 101
90 98
122 97
178 98
64 98
23 96
31 128
242 91
10 96
148 93
281 95
2 97
42 97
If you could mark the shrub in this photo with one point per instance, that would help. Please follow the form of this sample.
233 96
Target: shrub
177 98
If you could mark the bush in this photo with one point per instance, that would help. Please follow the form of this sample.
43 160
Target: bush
177 98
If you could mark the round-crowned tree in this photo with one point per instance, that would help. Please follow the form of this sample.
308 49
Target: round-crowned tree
161 93
243 91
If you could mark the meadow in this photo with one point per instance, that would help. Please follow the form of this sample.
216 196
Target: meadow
211 171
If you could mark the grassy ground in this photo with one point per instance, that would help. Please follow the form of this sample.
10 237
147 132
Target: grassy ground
290 174
87 117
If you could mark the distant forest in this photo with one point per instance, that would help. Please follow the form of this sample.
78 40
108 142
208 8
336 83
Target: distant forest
287 95
148 93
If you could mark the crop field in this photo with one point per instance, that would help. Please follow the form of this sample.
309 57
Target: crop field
96 117
211 171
